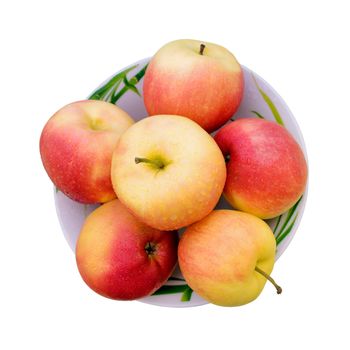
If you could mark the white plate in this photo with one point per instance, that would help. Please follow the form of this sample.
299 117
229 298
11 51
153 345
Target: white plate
260 100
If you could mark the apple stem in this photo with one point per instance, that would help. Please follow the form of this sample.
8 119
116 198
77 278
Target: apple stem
201 49
158 163
268 277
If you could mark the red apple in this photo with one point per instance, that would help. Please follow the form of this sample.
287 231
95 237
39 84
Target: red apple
121 258
198 80
76 147
266 171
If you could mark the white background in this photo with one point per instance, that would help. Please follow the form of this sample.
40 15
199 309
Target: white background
56 52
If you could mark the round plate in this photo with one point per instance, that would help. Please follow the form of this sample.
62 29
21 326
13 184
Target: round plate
260 101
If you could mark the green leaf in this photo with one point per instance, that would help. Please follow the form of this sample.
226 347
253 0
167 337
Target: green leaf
171 289
132 81
57 189
269 102
278 221
289 215
258 114
141 73
284 234
103 90
187 294
117 96
183 288
111 92
130 86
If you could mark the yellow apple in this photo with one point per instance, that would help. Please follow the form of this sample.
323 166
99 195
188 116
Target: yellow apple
227 257
168 171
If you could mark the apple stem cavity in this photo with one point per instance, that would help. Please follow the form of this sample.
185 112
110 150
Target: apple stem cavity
150 248
201 49
156 162
269 278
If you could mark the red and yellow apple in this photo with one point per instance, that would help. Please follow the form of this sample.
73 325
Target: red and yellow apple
121 258
266 170
168 171
76 147
227 257
198 80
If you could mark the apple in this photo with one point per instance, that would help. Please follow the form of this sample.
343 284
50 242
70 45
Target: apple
121 258
227 257
195 79
76 147
168 171
266 168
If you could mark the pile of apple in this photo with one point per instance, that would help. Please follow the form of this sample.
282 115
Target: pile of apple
167 172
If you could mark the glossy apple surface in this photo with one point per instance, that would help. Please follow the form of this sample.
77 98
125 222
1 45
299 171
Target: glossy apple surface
204 83
76 147
121 258
266 168
218 257
183 178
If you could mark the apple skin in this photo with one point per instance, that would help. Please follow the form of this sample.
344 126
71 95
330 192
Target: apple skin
112 258
206 88
186 189
76 147
267 170
218 255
